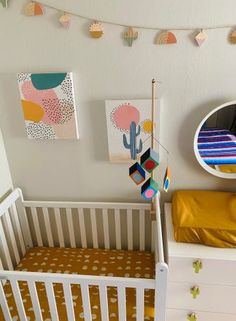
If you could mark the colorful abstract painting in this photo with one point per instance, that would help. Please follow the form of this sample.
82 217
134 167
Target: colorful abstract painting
48 105
129 128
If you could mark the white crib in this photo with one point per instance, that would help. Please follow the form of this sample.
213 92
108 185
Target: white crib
26 224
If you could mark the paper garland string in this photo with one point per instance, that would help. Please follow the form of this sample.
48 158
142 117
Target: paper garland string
200 38
96 30
130 35
167 37
34 9
65 21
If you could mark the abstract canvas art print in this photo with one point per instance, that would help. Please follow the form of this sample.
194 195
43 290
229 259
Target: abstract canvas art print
129 128
48 105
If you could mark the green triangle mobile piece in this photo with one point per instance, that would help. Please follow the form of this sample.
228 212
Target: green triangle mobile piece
4 3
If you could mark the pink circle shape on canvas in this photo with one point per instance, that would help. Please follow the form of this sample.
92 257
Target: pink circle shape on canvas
40 97
124 115
149 193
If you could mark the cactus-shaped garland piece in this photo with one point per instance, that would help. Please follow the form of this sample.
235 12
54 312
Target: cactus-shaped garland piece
130 35
4 3
132 145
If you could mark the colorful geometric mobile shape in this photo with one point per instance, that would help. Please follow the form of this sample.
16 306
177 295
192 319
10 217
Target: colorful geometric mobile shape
233 37
166 38
34 9
149 160
65 21
96 30
4 3
130 35
200 38
149 189
166 183
137 174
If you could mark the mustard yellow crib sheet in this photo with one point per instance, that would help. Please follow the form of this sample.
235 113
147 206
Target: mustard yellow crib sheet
119 263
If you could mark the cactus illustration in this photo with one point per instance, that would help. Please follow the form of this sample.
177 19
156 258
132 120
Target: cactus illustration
130 35
4 3
132 146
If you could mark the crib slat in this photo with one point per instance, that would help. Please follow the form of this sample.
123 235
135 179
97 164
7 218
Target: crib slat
121 303
4 305
18 300
35 300
103 302
5 247
36 226
59 227
118 229
69 302
94 228
130 229
86 302
12 236
14 212
153 236
71 227
51 301
142 230
48 226
82 228
106 228
140 304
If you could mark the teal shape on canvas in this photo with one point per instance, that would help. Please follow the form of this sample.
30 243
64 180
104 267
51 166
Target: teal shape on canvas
4 3
47 81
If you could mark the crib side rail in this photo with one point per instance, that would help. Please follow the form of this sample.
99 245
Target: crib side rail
95 224
49 279
161 266
12 242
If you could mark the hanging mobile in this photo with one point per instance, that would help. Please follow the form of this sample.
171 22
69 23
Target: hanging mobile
166 182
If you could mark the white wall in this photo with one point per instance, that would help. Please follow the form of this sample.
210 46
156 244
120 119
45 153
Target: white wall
194 81
5 176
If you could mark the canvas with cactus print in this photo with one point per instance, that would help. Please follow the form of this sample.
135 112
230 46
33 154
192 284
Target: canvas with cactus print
129 128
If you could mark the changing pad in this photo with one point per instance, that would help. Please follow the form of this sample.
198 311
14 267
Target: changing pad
135 264
205 217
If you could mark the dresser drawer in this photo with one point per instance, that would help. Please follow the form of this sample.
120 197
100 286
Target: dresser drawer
207 297
209 271
182 315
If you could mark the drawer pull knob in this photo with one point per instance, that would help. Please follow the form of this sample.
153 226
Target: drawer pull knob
195 291
197 265
192 317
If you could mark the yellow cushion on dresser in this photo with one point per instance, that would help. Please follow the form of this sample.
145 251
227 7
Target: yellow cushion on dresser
205 217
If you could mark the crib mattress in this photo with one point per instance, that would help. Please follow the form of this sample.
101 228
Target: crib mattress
119 263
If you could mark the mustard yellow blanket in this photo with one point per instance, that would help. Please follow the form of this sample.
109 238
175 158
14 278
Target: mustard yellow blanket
205 217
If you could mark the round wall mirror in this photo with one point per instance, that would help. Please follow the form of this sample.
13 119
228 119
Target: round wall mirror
215 141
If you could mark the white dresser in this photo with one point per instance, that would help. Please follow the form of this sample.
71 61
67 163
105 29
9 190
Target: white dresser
202 280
